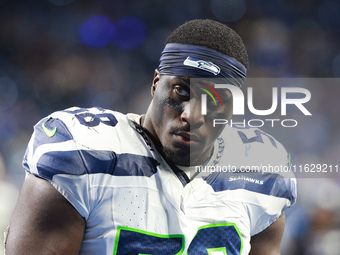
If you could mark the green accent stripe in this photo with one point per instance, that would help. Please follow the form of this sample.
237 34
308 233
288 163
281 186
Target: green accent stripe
206 91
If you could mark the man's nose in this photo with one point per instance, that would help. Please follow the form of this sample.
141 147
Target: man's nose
192 113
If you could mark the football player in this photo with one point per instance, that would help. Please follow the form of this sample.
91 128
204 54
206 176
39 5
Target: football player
103 182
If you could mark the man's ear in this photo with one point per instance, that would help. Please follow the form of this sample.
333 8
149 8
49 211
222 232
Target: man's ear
155 82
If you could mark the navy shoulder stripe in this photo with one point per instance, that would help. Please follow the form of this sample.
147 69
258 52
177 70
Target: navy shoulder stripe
135 165
268 184
81 162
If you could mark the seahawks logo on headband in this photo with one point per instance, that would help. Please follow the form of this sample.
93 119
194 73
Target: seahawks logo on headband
202 64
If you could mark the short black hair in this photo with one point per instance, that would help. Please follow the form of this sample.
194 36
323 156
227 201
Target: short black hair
212 34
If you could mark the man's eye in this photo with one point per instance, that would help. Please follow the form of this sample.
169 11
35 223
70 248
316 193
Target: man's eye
181 92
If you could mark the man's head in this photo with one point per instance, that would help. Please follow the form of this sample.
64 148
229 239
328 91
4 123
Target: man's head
204 50
211 34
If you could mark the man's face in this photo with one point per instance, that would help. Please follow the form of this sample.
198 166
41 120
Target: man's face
186 135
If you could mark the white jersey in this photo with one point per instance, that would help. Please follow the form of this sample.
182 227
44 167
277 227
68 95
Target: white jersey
134 203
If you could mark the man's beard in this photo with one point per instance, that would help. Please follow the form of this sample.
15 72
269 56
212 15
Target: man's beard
183 159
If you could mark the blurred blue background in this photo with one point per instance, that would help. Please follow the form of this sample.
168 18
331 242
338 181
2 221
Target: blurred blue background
55 54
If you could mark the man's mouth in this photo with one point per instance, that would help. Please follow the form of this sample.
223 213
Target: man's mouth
187 139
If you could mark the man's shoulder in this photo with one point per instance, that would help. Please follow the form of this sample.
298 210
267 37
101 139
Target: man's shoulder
253 146
81 140
251 160
86 126
249 135
88 117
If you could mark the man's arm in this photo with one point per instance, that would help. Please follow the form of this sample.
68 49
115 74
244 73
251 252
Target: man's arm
268 241
44 222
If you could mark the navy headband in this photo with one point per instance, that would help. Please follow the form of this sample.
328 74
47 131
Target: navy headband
199 61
